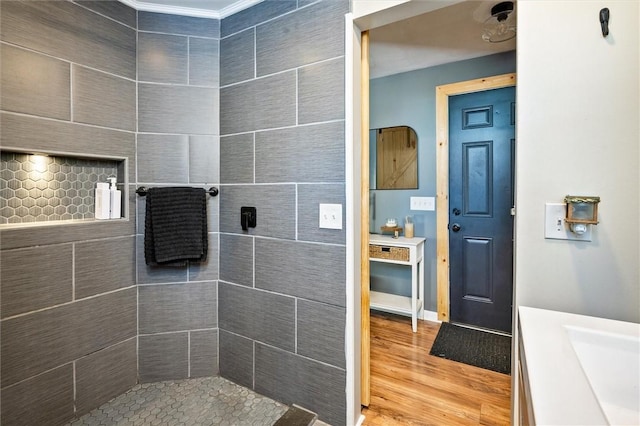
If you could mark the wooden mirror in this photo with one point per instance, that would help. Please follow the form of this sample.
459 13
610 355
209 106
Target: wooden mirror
394 158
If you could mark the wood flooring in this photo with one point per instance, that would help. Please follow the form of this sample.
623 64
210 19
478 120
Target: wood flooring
411 387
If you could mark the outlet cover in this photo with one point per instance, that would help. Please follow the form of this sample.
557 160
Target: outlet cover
556 228
330 216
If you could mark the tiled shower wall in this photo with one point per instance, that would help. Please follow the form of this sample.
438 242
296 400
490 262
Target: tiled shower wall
68 296
69 292
71 310
282 284
178 144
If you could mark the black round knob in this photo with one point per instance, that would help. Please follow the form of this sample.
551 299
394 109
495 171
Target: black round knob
455 227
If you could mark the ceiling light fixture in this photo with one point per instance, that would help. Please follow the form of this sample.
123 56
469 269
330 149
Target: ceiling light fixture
501 25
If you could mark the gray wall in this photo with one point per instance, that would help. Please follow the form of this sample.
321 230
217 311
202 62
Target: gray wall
69 292
177 144
409 99
281 290
68 296
70 309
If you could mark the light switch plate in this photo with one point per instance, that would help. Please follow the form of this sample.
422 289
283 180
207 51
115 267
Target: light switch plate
423 203
330 216
555 226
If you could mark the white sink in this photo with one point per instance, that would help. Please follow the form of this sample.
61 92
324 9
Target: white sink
611 363
579 370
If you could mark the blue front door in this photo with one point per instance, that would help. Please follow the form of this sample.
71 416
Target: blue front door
481 180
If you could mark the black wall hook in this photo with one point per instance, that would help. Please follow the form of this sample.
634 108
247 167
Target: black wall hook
604 21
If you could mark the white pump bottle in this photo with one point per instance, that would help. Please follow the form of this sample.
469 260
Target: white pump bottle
115 196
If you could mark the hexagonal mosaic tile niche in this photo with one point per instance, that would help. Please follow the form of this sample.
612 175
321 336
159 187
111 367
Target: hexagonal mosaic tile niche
37 188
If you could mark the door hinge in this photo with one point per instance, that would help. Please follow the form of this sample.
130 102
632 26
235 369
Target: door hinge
513 211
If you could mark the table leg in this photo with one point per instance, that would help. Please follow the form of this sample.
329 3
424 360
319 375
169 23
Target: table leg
414 297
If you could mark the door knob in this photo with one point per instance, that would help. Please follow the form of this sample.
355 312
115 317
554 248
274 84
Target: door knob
455 227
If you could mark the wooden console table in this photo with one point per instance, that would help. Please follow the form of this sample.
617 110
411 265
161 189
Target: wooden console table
401 251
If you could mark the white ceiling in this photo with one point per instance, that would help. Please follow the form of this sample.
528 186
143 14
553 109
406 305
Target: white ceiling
216 9
450 34
445 35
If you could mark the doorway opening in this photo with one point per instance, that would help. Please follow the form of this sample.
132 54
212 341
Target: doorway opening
442 294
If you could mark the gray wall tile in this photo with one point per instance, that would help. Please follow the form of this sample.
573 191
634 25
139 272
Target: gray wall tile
280 46
236 359
177 307
264 103
301 154
157 273
162 58
321 92
34 84
295 380
104 265
163 158
163 357
207 270
35 278
45 399
37 342
113 9
68 31
103 99
236 158
303 3
258 315
35 236
310 196
321 331
105 374
175 24
203 353
212 211
312 271
204 62
236 259
237 62
204 159
261 12
177 109
39 135
275 209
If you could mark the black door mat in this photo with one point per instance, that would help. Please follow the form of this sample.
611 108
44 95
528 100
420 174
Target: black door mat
474 347
296 416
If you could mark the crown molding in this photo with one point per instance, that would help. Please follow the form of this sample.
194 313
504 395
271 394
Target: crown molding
189 11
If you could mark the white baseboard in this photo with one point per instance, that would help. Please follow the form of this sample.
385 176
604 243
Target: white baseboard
430 316
360 420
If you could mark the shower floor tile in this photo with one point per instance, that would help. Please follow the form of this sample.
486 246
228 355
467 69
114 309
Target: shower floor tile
206 401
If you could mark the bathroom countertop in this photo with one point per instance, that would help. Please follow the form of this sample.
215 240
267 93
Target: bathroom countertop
560 389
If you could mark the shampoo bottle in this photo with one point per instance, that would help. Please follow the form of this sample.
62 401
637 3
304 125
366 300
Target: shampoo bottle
115 199
102 201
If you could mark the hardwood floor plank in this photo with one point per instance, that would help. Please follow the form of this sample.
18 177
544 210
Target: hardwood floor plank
411 387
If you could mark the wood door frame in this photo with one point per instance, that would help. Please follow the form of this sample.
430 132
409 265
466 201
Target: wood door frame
365 331
442 180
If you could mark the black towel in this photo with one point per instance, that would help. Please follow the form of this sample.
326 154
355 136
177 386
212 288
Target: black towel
175 226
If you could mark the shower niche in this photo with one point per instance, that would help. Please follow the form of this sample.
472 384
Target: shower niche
52 188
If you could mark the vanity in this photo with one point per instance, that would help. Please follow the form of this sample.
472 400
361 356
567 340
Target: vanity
577 369
401 251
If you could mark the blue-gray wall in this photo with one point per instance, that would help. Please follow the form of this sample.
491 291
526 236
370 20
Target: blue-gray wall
409 99
282 284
